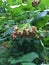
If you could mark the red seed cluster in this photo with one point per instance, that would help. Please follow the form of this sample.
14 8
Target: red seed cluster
25 32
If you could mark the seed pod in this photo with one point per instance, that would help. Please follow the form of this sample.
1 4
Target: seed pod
13 36
24 32
34 29
35 3
20 34
27 33
15 28
30 33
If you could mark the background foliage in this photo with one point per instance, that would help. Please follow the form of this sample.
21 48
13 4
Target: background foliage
29 50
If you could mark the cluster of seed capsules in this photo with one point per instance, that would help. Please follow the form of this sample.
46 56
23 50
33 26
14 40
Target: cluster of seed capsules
25 32
35 3
32 32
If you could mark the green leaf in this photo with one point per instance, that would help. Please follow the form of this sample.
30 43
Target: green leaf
25 58
8 31
41 14
2 39
42 43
